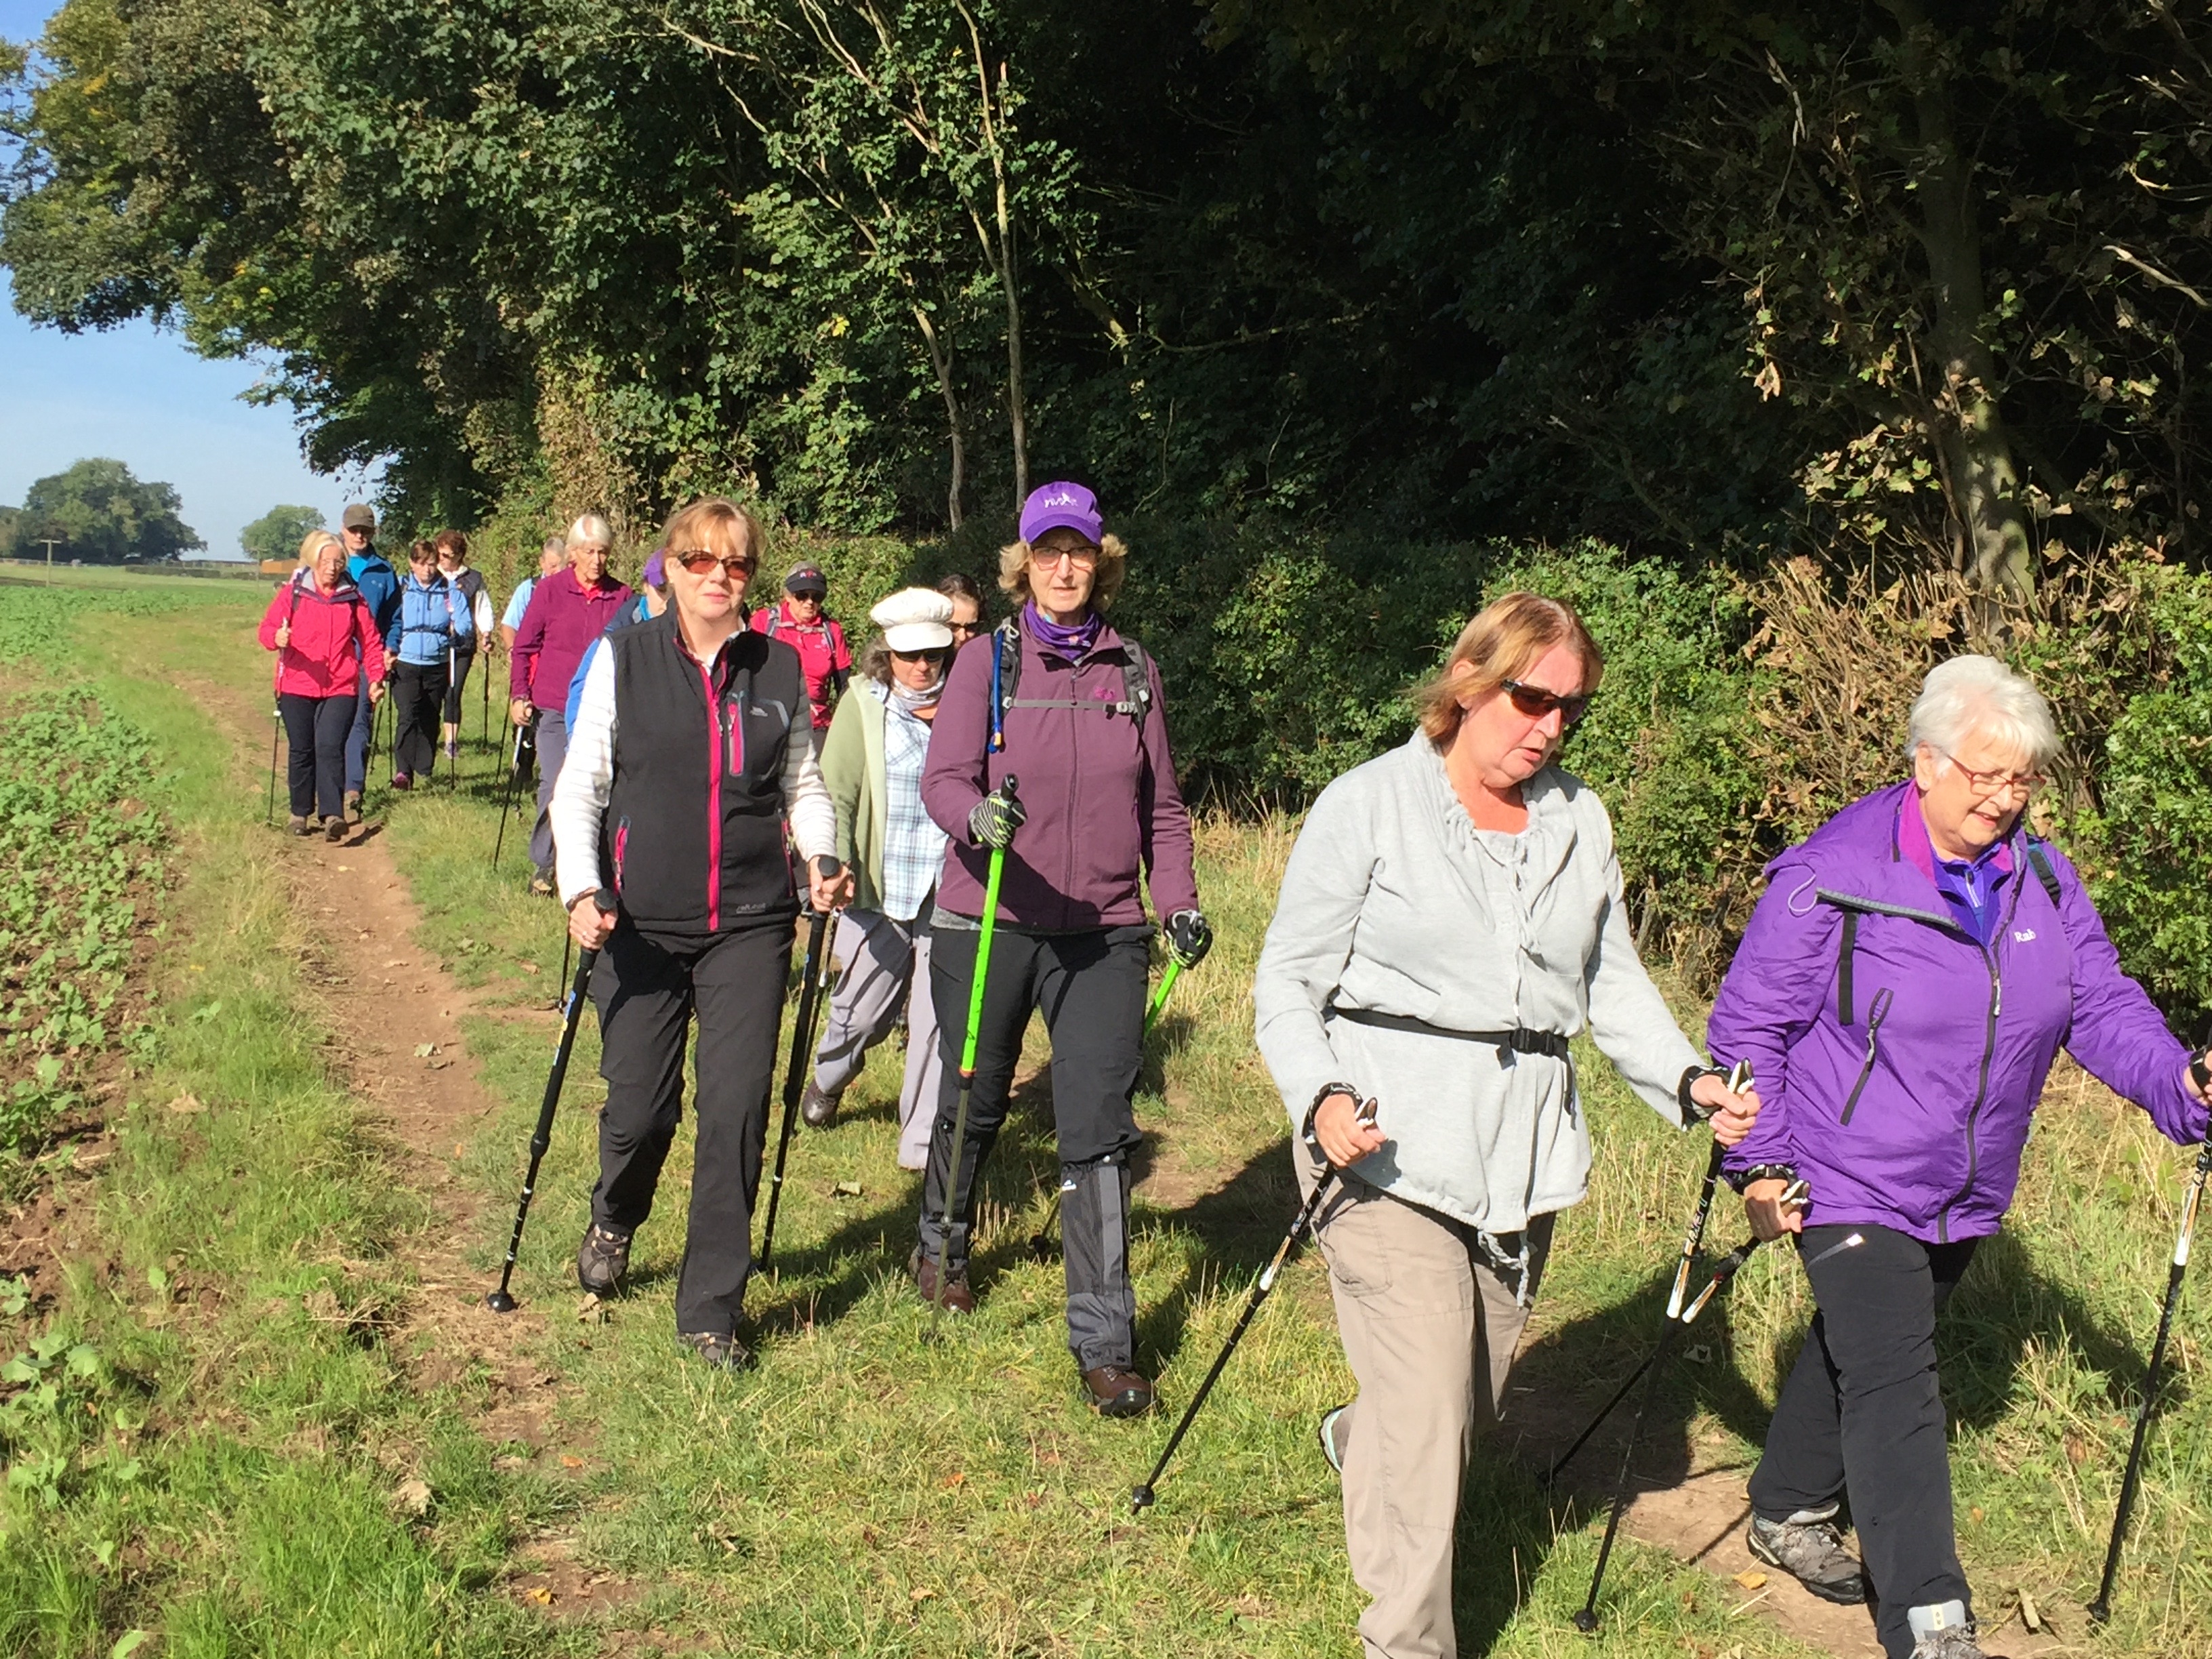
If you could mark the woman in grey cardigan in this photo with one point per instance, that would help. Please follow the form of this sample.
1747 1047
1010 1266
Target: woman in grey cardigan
1450 916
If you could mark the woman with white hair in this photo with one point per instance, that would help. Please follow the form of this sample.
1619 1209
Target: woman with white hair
873 762
569 610
1902 990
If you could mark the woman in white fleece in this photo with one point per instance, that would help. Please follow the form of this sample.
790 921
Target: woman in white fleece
1450 917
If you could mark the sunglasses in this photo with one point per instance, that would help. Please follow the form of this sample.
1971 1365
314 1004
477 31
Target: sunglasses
699 561
1535 702
935 653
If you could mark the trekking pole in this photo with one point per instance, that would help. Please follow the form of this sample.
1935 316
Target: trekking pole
967 1064
275 728
2101 1608
1585 1620
1739 1079
507 805
502 1299
1040 1240
1144 1495
814 974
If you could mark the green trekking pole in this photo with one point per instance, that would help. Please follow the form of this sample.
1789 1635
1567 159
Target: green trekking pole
1040 1240
968 1063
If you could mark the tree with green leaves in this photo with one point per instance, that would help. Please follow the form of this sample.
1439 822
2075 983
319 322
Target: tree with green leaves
105 516
277 533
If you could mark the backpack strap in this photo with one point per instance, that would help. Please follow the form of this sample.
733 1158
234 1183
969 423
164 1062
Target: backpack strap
2043 872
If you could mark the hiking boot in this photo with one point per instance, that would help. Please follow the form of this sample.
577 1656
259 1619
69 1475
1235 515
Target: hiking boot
298 825
719 1349
1944 1632
403 781
1335 1427
1809 1549
353 806
1117 1391
817 1106
602 1260
541 883
958 1299
334 828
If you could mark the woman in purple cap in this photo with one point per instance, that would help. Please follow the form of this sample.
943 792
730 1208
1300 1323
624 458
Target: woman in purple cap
1903 988
1056 698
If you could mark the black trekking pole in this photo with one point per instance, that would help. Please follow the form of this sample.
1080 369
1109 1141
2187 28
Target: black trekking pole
1145 1494
2101 1608
507 805
275 729
502 1299
814 972
1006 787
1739 1079
1585 1620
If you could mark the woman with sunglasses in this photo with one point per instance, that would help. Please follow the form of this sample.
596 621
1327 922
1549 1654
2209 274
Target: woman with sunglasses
1058 700
690 750
1450 916
1903 988
872 762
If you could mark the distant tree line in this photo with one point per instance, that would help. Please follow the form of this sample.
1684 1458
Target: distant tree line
1912 282
98 514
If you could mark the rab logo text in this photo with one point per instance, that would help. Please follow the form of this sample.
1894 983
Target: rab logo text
2025 936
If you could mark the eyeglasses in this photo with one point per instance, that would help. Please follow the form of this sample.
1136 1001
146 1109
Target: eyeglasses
699 561
1998 781
1083 558
1535 702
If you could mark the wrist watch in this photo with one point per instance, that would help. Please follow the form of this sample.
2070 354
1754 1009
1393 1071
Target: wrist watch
1306 1129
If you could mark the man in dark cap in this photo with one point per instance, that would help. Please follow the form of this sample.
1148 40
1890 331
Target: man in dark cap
379 591
802 622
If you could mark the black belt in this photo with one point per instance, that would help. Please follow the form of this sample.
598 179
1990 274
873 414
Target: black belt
1521 1040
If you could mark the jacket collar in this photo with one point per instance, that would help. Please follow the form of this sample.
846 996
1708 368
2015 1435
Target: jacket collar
1863 858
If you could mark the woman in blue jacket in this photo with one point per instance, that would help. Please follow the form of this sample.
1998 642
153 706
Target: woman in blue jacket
433 624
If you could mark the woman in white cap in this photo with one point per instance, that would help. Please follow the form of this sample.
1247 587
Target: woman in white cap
872 762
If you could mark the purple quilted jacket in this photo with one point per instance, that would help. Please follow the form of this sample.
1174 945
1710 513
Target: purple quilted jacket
1899 1062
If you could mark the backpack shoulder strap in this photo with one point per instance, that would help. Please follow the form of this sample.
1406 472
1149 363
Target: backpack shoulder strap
1006 677
2040 864
1136 682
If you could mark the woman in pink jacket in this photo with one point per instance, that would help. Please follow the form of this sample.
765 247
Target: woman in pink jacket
325 641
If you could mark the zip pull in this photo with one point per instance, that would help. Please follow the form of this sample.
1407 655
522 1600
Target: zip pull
1877 1011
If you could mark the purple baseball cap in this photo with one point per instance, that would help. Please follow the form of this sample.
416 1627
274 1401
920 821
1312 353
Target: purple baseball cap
1062 507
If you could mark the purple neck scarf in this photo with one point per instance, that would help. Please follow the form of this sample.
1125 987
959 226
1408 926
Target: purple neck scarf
1070 642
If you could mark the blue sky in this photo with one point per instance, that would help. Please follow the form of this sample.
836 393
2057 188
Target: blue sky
138 393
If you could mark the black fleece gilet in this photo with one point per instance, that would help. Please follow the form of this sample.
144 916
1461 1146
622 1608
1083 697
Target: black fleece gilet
693 838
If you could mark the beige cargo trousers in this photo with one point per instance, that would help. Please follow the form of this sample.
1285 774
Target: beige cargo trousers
1430 1314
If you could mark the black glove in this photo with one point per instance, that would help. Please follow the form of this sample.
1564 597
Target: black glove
994 820
1190 936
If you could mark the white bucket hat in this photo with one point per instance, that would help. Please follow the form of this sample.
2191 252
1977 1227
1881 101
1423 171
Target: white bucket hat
915 619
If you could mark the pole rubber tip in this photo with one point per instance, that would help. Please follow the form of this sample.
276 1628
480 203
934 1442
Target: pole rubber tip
1586 1622
501 1302
2099 1613
1140 1499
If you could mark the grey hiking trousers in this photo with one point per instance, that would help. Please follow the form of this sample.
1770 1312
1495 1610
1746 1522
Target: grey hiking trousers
886 968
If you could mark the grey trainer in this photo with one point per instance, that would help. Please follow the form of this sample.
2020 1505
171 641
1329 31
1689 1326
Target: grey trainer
1809 1549
1944 1632
602 1260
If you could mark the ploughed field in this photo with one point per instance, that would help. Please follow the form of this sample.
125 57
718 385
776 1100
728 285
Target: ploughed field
248 1404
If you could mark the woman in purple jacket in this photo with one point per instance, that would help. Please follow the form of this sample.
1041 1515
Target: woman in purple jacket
1902 991
1067 705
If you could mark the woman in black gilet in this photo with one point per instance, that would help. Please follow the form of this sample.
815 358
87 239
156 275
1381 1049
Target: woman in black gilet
690 750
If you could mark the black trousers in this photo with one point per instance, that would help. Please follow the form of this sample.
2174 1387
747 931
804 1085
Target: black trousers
647 988
315 730
418 696
1862 1413
463 661
1090 987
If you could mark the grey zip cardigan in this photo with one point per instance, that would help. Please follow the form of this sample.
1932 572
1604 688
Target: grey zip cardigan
1393 903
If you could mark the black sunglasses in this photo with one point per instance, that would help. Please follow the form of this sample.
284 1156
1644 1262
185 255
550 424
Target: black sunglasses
934 653
1535 702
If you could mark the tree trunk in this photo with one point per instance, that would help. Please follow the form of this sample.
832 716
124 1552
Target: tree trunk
940 359
1970 426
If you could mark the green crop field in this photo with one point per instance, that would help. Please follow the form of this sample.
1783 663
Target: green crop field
223 1436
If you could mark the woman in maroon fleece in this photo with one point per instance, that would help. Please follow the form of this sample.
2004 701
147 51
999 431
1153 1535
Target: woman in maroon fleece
1061 701
325 641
